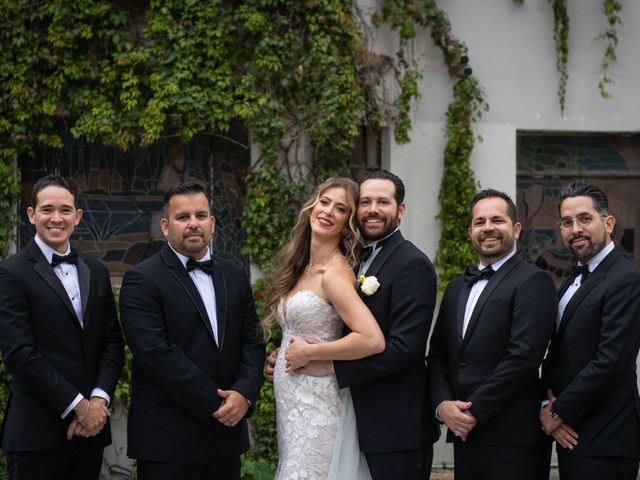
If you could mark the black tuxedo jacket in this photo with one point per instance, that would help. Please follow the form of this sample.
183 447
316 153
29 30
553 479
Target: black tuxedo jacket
389 389
495 366
50 357
591 364
177 365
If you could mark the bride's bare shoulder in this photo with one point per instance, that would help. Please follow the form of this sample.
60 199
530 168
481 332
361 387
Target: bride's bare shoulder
338 274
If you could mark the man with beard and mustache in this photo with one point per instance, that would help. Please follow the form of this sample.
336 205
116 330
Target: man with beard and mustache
198 353
396 430
490 337
589 375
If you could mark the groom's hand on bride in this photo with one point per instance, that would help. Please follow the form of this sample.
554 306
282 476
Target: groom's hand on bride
271 364
233 408
317 368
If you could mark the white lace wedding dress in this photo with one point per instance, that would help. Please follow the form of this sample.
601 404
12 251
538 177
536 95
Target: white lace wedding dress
317 436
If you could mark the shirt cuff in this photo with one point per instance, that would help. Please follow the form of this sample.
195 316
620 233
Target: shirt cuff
98 392
544 403
438 411
72 405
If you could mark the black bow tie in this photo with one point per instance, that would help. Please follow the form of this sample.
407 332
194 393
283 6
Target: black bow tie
58 259
473 275
206 266
366 253
582 270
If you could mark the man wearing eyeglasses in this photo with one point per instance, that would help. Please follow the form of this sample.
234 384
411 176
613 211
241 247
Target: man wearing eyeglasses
593 409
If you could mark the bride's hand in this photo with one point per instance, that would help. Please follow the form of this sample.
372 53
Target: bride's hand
298 353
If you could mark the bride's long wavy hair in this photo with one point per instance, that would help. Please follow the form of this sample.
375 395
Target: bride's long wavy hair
292 259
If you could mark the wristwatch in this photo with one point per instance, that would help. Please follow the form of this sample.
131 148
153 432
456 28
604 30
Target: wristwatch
554 416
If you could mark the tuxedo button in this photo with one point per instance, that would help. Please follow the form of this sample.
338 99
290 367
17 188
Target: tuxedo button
463 364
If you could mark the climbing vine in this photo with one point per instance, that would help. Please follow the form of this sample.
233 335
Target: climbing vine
457 186
610 37
561 39
611 9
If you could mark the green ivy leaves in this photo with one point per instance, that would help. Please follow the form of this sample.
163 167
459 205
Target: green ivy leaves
9 190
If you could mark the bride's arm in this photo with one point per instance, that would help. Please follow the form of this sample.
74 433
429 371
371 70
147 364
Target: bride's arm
365 337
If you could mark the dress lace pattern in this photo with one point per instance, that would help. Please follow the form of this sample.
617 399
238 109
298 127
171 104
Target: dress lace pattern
308 409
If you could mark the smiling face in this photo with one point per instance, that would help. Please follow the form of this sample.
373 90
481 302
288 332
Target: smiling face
492 232
378 211
55 216
188 225
585 241
330 213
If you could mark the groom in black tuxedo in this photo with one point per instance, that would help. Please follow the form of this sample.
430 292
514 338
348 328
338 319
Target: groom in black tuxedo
396 430
198 353
491 334
61 343
590 371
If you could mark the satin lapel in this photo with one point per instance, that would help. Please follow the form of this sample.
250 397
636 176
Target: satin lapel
220 287
383 255
565 285
585 288
43 268
486 293
84 279
183 277
465 291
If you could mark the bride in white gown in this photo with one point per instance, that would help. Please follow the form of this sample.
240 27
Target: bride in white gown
312 296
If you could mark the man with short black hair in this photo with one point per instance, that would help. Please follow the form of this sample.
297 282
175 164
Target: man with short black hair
593 409
491 334
61 343
198 353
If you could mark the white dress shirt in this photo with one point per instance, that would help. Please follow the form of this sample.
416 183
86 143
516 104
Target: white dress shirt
364 266
204 284
477 289
68 275
592 264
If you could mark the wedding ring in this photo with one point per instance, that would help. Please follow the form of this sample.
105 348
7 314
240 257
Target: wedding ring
457 433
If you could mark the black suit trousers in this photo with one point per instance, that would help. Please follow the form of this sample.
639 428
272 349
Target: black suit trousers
213 468
79 464
485 462
405 465
581 467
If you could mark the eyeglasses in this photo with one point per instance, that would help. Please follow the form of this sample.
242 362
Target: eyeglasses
584 219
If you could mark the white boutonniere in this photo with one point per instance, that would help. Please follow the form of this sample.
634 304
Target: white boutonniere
368 285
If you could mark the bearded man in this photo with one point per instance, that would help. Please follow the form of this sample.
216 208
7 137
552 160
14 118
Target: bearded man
490 337
396 430
593 409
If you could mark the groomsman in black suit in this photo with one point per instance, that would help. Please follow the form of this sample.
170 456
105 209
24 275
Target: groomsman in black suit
198 352
61 343
590 371
396 429
490 337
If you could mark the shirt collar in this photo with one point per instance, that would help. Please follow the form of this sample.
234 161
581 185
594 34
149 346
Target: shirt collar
375 243
47 251
496 265
595 261
183 259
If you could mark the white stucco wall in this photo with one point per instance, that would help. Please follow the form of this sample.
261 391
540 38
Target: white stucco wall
512 53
